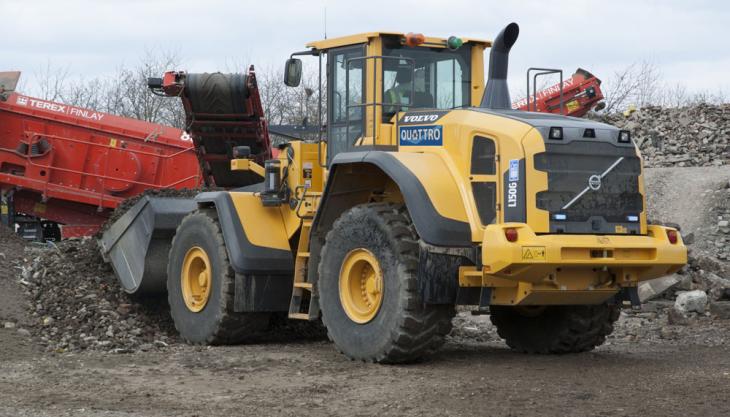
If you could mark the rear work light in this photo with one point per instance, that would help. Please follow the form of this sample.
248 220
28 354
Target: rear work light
672 236
624 136
556 133
511 234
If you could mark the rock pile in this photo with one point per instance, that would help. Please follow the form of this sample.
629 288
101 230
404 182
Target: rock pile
689 136
720 230
706 278
77 303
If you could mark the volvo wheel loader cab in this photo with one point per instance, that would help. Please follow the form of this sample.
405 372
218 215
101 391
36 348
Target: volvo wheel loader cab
428 192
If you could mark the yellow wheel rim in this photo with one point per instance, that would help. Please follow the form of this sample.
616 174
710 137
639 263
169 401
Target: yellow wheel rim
196 279
361 285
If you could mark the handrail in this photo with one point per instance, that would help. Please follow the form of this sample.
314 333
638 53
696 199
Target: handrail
544 71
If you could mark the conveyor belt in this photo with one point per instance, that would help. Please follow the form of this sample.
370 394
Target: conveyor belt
222 111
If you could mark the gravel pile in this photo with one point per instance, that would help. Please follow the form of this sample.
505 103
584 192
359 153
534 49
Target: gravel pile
709 258
689 136
719 231
77 303
708 267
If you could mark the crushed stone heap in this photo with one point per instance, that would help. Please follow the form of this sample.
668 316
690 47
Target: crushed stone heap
78 304
677 137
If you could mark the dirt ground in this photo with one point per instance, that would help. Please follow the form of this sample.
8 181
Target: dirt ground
297 379
649 367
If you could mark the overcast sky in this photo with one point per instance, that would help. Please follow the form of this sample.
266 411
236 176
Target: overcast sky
687 40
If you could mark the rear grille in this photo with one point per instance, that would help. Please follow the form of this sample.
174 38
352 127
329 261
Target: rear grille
605 209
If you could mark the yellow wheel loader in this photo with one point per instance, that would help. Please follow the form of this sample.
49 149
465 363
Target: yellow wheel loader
426 192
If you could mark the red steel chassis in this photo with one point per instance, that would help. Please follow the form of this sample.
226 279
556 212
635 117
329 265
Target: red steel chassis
73 166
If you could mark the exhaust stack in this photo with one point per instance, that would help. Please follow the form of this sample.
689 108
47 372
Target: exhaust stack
496 93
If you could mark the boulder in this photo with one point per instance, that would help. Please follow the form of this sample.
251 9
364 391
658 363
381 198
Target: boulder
691 302
720 309
716 286
656 287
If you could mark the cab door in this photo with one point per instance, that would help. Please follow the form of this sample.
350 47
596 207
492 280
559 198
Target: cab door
345 89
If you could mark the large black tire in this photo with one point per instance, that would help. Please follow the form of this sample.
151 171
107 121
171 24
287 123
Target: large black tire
404 328
555 329
216 323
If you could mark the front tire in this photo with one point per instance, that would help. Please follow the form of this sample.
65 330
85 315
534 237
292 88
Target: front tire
201 285
554 329
368 288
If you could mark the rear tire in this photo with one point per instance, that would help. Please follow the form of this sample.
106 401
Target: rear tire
215 322
555 329
401 328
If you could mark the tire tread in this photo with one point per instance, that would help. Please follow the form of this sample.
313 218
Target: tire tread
231 327
421 329
579 329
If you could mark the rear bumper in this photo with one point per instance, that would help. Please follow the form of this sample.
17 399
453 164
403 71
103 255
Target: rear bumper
532 256
569 269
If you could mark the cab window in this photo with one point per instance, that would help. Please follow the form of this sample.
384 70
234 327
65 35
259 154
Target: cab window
424 77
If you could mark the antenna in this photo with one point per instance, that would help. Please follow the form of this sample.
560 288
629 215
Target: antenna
325 21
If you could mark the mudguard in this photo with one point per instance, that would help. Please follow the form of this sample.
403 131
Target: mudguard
245 256
432 227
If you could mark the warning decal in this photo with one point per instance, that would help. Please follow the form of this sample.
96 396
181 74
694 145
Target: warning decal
533 253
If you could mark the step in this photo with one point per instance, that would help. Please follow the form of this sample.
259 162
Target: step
299 316
305 285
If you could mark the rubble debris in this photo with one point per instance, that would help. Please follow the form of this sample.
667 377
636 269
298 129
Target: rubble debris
691 302
678 137
656 287
720 309
656 323
77 303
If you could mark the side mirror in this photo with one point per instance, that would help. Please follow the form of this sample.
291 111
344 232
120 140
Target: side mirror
293 72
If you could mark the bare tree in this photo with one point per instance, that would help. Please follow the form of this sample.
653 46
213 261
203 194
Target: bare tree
273 93
708 97
129 96
675 96
51 82
639 84
290 105
85 93
125 93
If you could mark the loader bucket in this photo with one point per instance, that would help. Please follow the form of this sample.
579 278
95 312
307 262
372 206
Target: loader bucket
137 244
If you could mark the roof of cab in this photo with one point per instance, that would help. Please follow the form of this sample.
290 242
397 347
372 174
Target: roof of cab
365 37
